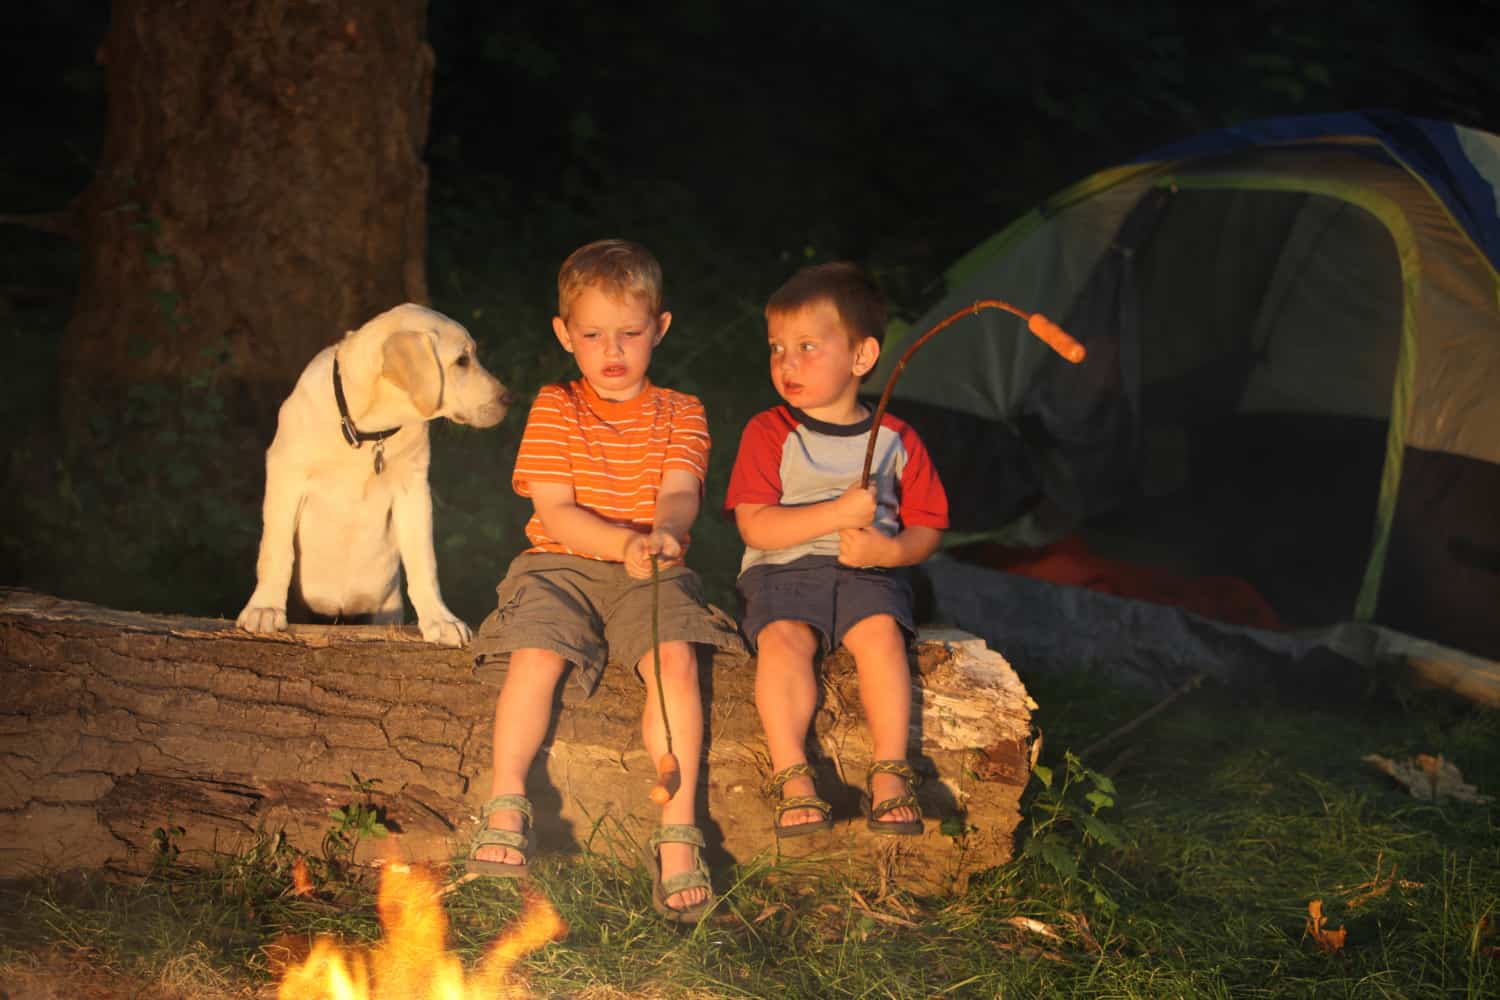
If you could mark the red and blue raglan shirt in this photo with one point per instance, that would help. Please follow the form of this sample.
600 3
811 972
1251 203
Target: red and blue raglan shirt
788 458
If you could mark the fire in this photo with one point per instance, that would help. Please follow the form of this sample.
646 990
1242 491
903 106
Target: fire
412 962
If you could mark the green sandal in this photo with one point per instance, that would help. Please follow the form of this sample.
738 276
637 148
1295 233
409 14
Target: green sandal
486 837
773 789
901 769
663 889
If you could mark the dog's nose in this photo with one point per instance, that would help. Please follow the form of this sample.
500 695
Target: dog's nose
506 398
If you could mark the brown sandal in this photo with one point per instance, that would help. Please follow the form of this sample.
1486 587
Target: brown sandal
486 837
696 877
783 805
874 810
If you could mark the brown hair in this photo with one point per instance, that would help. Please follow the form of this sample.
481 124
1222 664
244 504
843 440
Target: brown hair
618 267
860 305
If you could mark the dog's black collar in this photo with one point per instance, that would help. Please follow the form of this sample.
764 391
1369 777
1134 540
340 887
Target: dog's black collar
352 434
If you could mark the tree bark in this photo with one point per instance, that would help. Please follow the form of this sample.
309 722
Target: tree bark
262 189
118 725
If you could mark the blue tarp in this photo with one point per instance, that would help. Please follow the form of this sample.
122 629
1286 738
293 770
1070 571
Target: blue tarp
1460 165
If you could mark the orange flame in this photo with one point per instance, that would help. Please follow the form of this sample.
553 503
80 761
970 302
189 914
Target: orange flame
411 962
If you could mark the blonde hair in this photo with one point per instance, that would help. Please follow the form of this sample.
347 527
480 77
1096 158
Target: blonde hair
619 267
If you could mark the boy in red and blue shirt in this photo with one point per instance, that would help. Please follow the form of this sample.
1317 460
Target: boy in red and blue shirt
820 550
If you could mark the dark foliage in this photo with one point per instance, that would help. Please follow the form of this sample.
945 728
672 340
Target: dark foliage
737 140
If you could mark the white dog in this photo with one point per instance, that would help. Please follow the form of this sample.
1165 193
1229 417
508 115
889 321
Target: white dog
347 503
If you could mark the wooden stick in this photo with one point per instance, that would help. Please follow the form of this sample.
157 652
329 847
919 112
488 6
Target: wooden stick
668 773
1191 684
1049 332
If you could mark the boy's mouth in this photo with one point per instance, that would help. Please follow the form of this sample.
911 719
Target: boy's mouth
791 387
614 371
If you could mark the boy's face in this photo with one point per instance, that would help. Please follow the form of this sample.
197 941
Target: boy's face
611 337
813 365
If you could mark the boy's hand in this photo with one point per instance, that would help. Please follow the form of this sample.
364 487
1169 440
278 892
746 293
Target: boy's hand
855 507
640 548
864 548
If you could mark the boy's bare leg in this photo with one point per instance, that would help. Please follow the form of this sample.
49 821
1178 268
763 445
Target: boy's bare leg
522 714
879 650
786 696
679 683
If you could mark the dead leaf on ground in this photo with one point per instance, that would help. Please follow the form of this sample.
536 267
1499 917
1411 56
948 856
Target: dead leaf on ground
1378 886
1085 933
1033 927
770 910
302 883
1484 930
1326 940
863 906
1029 951
1428 777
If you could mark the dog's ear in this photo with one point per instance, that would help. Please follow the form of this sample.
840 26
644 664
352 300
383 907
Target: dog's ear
410 361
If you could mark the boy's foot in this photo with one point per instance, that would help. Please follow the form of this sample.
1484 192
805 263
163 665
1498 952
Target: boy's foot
676 859
500 847
891 805
889 786
798 786
684 896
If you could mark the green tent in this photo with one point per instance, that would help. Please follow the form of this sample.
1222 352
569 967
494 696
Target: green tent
1293 375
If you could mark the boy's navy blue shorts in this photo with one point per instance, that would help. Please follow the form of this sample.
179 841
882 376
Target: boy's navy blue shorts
824 593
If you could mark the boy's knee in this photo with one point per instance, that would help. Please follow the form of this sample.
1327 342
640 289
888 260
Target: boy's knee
787 638
874 632
533 667
678 663
537 659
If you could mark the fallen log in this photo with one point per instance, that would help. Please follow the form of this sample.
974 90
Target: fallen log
123 732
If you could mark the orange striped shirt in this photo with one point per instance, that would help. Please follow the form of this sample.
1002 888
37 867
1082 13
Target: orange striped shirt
613 454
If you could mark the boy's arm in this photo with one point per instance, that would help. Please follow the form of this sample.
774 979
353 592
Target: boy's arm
923 516
865 547
774 526
579 529
677 503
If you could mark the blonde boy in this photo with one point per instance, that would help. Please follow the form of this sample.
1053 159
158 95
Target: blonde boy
614 468
820 550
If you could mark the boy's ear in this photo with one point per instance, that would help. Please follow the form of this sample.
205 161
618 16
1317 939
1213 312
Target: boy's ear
662 322
563 336
866 355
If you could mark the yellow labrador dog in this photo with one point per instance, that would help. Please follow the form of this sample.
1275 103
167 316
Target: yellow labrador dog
347 505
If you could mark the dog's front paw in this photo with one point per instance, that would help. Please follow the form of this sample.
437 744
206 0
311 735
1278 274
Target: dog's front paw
444 629
262 620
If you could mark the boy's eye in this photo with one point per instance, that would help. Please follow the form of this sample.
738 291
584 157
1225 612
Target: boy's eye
808 346
776 348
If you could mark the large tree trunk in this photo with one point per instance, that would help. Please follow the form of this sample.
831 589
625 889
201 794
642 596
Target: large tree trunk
116 725
262 189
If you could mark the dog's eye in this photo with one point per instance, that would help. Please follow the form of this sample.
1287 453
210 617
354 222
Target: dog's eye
463 361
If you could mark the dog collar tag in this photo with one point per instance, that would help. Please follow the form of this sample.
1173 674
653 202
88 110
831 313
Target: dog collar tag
379 456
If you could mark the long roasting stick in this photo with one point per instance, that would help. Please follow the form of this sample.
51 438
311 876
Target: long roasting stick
668 774
1049 332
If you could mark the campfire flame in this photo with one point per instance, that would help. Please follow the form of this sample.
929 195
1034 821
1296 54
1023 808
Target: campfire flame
412 962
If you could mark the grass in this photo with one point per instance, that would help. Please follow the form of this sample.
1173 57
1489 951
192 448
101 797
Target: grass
1232 815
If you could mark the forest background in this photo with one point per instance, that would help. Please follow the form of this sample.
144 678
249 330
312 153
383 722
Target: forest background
738 141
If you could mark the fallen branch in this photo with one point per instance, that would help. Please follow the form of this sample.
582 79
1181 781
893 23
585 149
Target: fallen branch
62 222
119 729
1191 684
